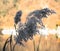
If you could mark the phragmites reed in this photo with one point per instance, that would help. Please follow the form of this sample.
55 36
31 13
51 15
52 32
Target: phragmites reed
17 17
29 28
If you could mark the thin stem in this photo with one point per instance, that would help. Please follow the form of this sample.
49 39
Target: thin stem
15 28
14 46
39 43
34 44
7 41
11 43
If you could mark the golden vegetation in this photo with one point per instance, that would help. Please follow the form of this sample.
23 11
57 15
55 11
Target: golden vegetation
28 6
8 11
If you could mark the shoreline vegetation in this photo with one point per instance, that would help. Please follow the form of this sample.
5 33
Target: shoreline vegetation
8 9
50 43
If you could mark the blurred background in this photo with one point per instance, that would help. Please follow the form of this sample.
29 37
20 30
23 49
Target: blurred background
8 9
